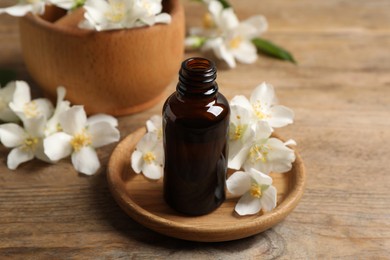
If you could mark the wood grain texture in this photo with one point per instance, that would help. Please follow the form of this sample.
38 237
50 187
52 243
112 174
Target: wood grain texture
340 92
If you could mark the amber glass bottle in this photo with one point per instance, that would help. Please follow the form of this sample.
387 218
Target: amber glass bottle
195 125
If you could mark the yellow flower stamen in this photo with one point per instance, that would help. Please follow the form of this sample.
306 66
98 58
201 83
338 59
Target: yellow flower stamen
149 157
238 131
208 21
259 111
117 11
29 143
30 109
80 140
256 190
235 42
59 127
258 152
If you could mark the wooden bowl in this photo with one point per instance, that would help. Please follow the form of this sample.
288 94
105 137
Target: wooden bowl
116 72
143 201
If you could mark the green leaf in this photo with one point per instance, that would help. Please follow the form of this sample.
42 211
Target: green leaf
6 76
78 4
225 4
273 50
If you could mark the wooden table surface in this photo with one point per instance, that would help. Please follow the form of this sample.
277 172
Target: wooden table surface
340 92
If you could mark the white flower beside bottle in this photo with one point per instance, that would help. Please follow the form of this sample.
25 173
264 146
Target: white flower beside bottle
251 148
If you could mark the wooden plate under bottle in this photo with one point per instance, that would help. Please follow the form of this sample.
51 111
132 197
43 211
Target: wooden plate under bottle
143 201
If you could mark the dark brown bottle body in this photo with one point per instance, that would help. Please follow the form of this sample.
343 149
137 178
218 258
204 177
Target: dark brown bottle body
195 125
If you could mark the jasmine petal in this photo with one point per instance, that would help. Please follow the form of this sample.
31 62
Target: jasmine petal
86 160
102 118
11 135
6 96
239 183
18 156
103 133
136 161
268 201
248 205
57 146
152 171
73 120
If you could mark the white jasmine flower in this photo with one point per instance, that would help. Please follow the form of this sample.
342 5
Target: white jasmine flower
25 6
148 157
24 107
224 19
27 141
79 139
149 12
108 15
267 154
236 41
154 125
241 134
118 14
263 104
53 124
226 36
6 96
256 190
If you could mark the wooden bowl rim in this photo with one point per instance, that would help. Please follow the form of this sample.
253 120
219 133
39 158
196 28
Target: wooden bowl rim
36 20
152 221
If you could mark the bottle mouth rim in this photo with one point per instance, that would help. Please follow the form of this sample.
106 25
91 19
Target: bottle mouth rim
199 64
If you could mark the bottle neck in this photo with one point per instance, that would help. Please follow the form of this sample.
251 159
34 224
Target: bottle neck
197 78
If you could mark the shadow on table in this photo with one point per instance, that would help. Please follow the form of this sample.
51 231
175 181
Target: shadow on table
268 244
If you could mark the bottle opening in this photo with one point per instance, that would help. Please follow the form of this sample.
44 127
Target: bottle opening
199 64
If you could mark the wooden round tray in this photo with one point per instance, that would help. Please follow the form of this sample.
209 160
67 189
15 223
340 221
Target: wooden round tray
143 201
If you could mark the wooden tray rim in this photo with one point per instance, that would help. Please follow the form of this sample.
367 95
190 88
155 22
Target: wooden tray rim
248 228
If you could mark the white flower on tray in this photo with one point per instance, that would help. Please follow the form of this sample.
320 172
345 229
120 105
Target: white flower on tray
263 106
79 139
256 190
148 157
267 154
241 133
154 125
